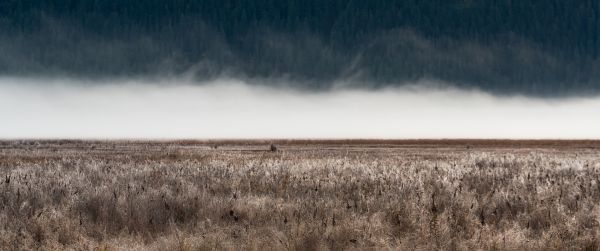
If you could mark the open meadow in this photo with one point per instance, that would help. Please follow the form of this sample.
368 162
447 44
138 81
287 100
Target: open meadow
306 195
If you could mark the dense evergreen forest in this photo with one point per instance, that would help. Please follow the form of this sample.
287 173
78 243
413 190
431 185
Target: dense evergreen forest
539 47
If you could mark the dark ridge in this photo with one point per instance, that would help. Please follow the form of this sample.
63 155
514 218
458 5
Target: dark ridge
532 47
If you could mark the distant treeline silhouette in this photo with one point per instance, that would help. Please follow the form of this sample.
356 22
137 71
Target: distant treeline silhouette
538 47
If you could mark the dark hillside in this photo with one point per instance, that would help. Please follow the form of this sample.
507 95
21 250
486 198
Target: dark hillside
537 47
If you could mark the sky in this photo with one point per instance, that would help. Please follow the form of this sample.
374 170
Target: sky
233 109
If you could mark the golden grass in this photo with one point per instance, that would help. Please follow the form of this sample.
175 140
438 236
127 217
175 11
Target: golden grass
306 196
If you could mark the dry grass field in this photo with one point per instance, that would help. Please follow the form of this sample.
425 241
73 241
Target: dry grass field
308 195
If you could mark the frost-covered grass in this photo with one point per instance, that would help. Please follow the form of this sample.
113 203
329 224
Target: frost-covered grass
170 196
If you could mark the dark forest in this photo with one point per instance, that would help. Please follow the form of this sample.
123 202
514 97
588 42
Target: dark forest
533 47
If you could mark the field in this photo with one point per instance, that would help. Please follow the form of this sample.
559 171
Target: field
307 195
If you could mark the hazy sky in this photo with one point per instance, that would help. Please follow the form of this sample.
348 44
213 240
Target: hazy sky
32 108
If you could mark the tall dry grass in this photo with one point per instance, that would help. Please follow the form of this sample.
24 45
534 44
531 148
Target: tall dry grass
168 196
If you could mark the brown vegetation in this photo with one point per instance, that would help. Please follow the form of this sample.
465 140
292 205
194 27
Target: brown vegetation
320 196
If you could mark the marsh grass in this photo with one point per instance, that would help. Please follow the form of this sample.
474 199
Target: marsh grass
113 196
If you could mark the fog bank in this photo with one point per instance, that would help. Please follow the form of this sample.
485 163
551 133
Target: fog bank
232 109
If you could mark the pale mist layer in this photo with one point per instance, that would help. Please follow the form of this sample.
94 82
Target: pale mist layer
232 109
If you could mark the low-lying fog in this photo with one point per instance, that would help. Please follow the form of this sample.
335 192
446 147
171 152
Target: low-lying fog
232 109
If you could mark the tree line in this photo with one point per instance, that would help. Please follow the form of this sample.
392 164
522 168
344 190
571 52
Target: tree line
526 45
